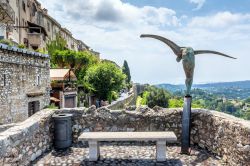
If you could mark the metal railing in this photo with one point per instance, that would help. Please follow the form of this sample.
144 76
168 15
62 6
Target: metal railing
8 14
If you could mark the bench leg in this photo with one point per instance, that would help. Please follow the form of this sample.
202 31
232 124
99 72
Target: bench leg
94 150
161 150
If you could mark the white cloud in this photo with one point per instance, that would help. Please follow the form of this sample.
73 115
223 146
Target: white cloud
117 38
105 12
220 20
199 3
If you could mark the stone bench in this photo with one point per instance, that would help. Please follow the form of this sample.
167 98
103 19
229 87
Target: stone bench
161 138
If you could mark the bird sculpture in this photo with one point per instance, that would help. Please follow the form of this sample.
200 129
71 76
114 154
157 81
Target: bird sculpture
187 55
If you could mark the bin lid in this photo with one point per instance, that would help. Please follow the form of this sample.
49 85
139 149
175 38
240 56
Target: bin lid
62 115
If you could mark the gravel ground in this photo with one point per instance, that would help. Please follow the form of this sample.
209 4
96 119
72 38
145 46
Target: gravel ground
127 154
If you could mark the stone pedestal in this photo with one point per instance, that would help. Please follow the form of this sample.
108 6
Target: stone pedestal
185 136
94 150
161 150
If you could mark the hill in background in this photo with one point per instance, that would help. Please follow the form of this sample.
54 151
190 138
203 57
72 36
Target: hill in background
230 90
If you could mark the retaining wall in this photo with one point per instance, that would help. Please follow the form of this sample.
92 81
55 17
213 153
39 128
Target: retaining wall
27 140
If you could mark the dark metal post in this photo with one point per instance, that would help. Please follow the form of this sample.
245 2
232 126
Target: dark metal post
185 136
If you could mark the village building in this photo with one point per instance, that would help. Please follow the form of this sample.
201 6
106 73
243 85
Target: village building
82 46
67 35
26 22
24 83
51 25
64 91
25 86
7 14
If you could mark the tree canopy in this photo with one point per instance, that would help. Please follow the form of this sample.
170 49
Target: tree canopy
126 71
154 96
58 44
104 78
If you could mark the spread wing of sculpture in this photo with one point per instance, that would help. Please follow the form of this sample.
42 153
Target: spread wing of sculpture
187 55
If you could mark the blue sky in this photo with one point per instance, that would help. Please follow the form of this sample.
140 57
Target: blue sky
185 7
113 27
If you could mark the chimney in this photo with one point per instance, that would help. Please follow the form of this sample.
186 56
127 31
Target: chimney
45 11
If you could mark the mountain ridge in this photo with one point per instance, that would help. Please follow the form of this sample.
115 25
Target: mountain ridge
232 90
242 84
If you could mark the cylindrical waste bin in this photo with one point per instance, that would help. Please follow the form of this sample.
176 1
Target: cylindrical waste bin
62 130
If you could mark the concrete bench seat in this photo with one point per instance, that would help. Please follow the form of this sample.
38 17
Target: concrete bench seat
161 138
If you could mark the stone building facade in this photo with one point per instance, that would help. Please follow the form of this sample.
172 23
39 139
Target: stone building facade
30 24
24 83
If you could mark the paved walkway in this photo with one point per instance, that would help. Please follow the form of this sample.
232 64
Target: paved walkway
127 154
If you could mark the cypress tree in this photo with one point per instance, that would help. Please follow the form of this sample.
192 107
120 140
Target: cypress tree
126 71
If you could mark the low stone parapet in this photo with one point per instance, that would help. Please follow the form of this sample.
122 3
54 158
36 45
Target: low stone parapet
224 135
121 104
23 143
6 126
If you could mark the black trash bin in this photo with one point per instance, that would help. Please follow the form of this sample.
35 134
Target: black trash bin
62 130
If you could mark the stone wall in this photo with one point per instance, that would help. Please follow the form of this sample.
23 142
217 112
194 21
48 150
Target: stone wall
222 134
24 78
27 140
6 126
142 119
121 104
136 90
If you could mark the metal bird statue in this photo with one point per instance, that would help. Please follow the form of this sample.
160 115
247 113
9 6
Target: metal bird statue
187 55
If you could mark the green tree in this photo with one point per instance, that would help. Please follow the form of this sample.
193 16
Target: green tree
21 46
154 96
126 71
138 101
58 44
246 115
230 108
77 61
175 103
104 79
144 100
84 60
247 100
57 59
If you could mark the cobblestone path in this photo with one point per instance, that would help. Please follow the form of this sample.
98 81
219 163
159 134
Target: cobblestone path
126 154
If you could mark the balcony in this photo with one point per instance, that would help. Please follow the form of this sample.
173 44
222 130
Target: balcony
7 14
36 40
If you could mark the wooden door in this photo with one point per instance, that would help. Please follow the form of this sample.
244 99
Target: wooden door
69 102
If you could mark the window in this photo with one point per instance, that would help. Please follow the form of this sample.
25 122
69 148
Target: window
24 6
34 47
33 107
38 81
48 24
4 79
17 24
26 42
34 10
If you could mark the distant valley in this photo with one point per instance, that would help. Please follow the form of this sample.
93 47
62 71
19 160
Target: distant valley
230 90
